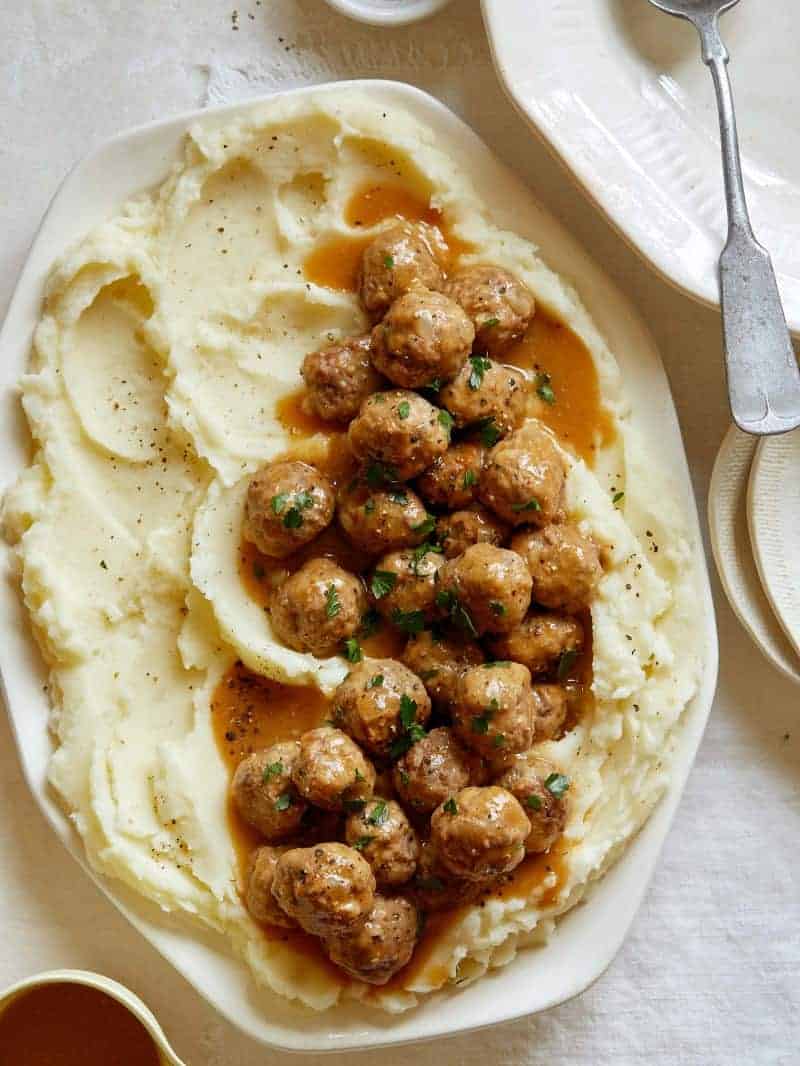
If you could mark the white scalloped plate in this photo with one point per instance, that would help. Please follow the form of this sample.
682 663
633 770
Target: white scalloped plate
773 518
733 553
618 90
590 935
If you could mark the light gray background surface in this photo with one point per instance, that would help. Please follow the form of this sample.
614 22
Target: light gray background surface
711 971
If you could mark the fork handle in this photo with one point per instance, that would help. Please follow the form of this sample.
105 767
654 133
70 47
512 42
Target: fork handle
763 375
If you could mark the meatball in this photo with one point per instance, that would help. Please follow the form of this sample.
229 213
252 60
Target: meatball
339 377
404 254
564 564
331 771
480 833
258 896
425 337
485 390
498 303
523 478
435 888
263 792
451 480
458 531
318 608
381 518
384 836
549 711
327 889
541 789
485 590
494 709
539 641
406 581
433 770
399 433
287 505
438 660
381 946
379 702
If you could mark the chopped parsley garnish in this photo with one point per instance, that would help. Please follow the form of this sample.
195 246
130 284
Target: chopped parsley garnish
378 474
352 650
277 503
378 814
388 261
470 478
534 802
293 518
544 388
557 785
426 526
409 621
408 711
497 608
362 842
399 498
459 615
369 506
618 496
272 769
358 775
404 778
382 583
446 421
489 432
480 364
490 322
284 801
499 740
403 410
566 662
480 722
332 602
304 500
450 807
375 681
420 552
434 385
530 505
412 735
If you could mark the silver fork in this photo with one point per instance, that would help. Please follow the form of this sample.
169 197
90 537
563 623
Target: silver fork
763 375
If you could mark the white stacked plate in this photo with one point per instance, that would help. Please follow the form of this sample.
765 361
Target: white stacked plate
754 517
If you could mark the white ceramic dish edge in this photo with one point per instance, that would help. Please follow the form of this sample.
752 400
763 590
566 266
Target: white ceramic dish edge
590 935
378 13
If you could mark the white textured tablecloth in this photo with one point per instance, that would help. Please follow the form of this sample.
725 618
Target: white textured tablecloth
711 971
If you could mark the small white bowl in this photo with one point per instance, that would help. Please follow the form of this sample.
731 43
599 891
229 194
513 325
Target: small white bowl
111 988
388 12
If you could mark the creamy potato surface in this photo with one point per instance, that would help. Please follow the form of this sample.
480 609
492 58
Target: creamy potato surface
169 338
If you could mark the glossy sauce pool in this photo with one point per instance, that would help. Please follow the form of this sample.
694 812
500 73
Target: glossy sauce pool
335 265
66 1024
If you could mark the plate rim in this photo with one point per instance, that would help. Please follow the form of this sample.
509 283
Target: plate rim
671 268
375 1034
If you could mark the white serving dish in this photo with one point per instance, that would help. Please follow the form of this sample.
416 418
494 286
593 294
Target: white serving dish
590 935
618 90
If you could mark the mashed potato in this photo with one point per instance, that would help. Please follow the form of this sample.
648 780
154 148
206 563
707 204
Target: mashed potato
166 339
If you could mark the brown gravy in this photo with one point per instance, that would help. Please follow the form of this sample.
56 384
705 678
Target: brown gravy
65 1024
335 265
578 417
